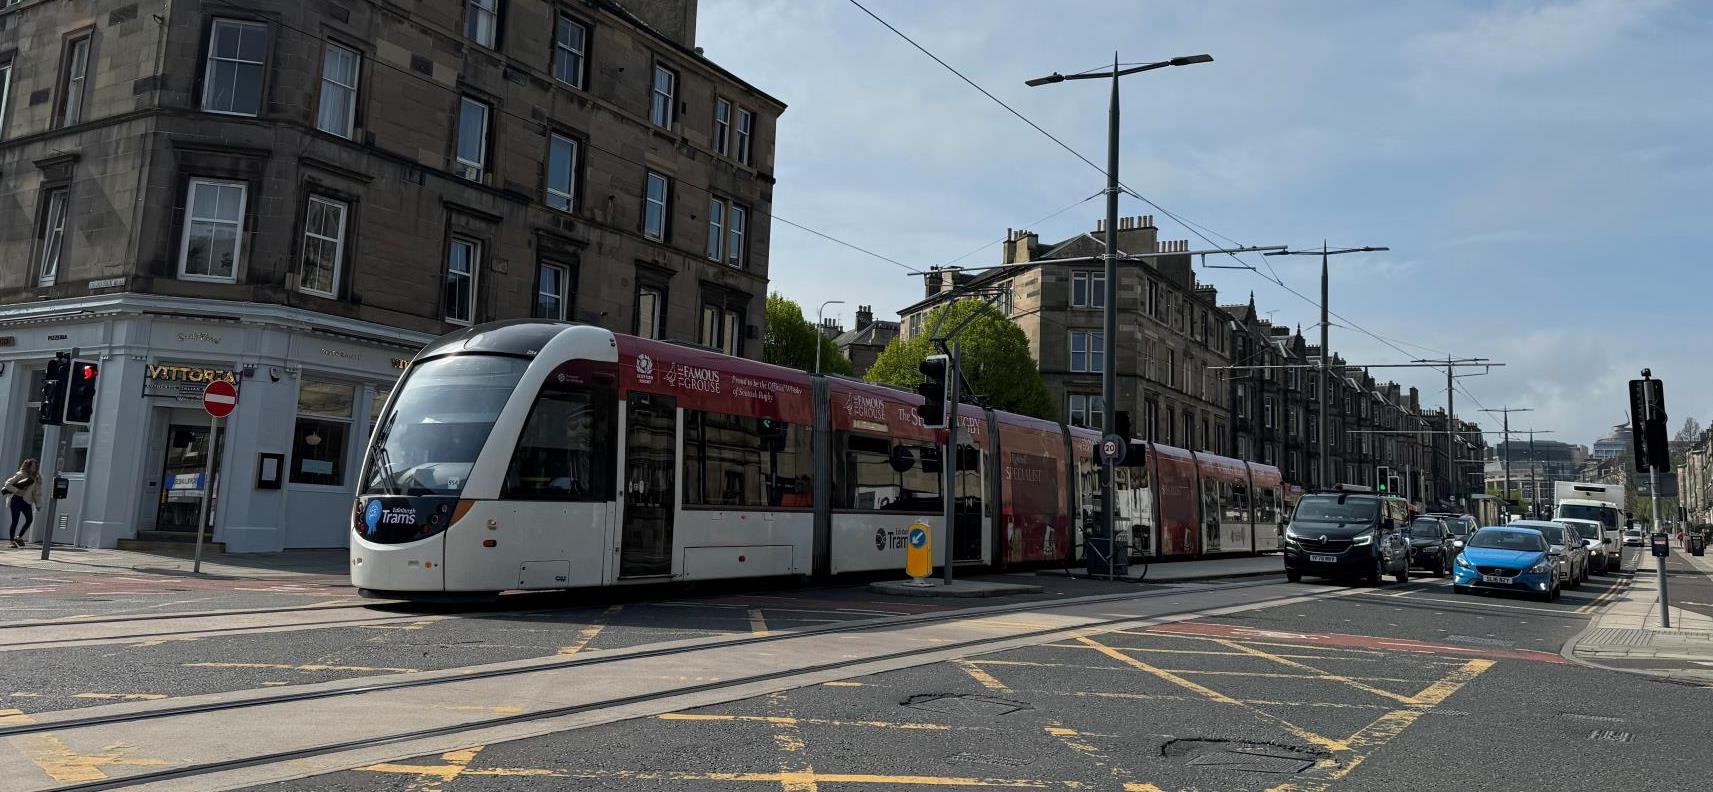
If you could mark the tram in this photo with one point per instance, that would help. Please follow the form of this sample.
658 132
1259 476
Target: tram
534 454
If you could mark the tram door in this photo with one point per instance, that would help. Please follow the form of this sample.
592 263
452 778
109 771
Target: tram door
651 479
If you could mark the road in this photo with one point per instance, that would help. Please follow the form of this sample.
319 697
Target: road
1240 685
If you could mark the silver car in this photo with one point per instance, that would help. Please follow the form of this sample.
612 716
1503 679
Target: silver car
1567 546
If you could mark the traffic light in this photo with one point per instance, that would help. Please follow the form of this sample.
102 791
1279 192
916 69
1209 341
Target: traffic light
936 372
80 394
1382 479
1394 484
52 411
772 435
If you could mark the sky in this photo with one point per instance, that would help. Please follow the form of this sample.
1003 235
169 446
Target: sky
1540 170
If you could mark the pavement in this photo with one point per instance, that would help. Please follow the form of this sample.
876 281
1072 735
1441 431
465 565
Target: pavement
251 566
1626 635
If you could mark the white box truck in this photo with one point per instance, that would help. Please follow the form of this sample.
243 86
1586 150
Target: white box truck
1594 503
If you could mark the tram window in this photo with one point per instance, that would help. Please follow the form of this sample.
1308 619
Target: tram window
565 451
737 461
882 474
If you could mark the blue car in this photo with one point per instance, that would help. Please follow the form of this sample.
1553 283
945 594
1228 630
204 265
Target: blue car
1508 559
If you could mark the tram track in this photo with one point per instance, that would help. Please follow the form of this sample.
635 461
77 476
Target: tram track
208 768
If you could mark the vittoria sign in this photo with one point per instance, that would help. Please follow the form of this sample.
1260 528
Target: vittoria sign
182 382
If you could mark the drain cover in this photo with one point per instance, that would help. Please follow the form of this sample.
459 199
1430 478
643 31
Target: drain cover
989 759
1606 735
1242 756
966 705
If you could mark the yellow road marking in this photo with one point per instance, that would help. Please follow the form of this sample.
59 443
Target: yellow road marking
791 721
1388 726
1605 596
1170 697
14 717
796 774
778 778
842 684
587 634
757 624
1214 695
1189 637
1141 788
1189 671
1289 663
431 778
55 758
501 710
1151 650
304 667
987 680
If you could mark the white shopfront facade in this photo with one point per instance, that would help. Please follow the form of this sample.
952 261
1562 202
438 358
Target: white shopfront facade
287 460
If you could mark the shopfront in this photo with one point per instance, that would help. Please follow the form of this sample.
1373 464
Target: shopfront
284 464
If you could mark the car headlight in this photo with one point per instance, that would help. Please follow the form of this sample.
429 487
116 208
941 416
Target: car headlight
1290 539
1362 539
1542 567
1462 562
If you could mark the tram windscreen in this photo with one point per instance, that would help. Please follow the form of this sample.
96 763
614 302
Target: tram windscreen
438 423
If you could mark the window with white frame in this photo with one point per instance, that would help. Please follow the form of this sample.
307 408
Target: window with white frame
323 246
716 229
1291 422
472 154
1087 351
76 76
1267 412
213 231
232 82
570 49
746 133
721 328
552 283
53 237
655 202
1171 368
1243 447
650 308
737 223
915 324
722 127
5 93
663 92
561 172
340 67
463 257
1241 404
1088 289
482 22
1084 410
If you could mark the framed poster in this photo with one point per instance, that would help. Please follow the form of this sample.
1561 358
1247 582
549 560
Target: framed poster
269 469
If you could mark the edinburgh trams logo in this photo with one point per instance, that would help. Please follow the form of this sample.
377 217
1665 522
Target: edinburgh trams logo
372 515
645 369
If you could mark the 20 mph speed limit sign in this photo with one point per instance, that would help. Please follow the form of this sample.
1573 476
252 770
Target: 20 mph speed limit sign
1112 448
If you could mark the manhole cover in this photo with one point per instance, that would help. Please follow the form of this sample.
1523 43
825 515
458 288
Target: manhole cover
1474 641
1241 755
989 759
965 705
1607 735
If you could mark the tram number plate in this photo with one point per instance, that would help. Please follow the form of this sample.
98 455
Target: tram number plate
1324 559
1497 579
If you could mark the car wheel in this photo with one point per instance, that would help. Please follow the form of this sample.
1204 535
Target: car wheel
1438 567
1575 579
1553 595
1404 573
1294 576
1377 576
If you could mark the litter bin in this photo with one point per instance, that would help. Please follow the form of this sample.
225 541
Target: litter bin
1698 543
1098 550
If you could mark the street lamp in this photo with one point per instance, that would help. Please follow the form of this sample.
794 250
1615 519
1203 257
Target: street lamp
1109 329
1324 479
818 331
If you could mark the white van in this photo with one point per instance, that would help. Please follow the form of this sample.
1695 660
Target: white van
1599 503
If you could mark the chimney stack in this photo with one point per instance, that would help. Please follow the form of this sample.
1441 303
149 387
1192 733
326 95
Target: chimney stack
864 317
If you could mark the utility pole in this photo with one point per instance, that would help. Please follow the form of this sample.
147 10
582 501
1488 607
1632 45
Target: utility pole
1451 365
1109 327
1324 478
1506 412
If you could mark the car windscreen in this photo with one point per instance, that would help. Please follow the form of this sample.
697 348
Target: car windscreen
1509 540
1425 529
1328 509
1605 515
1554 533
438 422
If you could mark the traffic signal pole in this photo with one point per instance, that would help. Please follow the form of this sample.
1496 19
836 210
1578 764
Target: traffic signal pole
60 442
949 460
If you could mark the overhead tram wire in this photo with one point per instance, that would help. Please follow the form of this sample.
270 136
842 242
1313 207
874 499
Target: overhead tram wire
582 143
1025 225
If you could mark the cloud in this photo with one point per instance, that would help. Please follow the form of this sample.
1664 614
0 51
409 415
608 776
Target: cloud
1533 38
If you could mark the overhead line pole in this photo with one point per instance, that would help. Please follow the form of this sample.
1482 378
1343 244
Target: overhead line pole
1506 412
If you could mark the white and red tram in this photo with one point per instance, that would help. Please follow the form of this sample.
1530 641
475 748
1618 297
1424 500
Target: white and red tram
546 455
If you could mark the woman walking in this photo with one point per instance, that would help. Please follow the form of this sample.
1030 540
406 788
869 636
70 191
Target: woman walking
23 493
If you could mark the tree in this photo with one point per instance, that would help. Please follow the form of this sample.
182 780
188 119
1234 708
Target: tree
791 340
1690 431
996 359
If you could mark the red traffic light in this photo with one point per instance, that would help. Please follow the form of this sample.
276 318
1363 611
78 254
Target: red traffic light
89 371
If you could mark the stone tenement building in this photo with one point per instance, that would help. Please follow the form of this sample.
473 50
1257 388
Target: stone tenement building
1173 340
297 194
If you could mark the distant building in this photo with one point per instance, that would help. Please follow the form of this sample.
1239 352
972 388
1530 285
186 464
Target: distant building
1533 471
1615 443
863 343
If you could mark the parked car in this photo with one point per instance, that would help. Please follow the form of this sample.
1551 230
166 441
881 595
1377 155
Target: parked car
1508 558
1348 533
1567 544
1602 556
1633 537
1430 545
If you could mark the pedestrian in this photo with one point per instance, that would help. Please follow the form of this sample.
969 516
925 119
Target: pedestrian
23 492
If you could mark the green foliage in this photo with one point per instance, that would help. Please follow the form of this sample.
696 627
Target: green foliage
791 340
996 359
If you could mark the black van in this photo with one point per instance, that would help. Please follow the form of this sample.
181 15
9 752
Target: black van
1348 533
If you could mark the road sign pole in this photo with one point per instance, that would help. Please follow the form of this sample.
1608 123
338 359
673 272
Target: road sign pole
61 444
949 460
1653 501
207 491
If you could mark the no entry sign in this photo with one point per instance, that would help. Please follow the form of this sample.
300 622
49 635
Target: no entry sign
219 398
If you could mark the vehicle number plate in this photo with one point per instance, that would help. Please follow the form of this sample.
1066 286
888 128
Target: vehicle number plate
1497 579
1324 559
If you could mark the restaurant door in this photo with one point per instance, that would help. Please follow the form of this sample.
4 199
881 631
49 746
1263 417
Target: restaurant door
182 484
